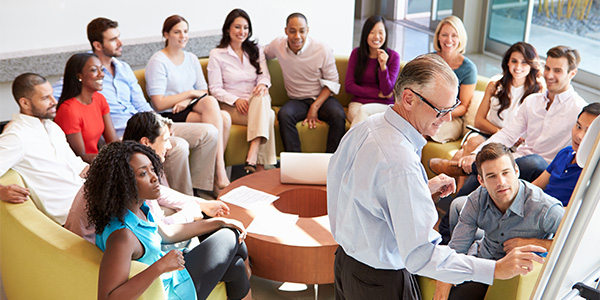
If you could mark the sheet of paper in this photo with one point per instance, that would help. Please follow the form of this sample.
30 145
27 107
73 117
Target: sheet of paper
272 222
248 198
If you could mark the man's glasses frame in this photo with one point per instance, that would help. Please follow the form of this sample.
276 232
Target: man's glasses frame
440 112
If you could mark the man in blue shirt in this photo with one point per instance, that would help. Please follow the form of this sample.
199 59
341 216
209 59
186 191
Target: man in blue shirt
561 176
380 202
190 163
510 211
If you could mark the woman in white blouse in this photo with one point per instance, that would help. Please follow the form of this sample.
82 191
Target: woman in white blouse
174 79
238 77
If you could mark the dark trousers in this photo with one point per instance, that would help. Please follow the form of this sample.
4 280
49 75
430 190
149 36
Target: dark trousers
468 291
295 111
219 257
355 280
530 168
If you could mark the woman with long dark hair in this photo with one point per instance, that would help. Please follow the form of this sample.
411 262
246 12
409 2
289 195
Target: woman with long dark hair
122 177
521 77
372 71
238 77
82 112
174 79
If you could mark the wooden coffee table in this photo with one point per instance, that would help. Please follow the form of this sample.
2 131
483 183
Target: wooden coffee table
305 254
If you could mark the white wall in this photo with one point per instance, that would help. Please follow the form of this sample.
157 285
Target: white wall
33 27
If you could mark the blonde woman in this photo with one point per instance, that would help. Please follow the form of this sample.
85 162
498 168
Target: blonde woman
449 42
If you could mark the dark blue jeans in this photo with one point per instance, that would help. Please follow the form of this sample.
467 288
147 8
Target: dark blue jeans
530 168
295 111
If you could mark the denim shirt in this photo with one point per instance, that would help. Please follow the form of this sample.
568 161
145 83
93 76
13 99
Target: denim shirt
533 214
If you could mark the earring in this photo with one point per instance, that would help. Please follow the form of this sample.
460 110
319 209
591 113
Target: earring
79 79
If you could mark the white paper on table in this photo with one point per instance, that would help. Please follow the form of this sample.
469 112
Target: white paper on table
248 198
272 222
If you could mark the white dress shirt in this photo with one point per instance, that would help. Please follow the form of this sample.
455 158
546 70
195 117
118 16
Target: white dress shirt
548 131
230 78
380 207
307 72
38 150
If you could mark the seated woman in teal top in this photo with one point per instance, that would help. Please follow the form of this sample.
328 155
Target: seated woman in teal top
449 42
121 178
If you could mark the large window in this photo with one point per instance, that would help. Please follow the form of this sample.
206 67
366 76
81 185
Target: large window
545 24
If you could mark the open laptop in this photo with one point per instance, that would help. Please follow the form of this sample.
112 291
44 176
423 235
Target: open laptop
304 168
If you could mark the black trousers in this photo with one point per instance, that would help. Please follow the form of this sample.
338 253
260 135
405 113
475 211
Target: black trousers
469 290
294 111
355 280
219 257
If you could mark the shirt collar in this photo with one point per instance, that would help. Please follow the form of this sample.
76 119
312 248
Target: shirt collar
231 52
562 97
31 120
134 221
518 205
411 134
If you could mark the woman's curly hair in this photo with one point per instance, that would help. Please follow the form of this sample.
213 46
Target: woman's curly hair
110 187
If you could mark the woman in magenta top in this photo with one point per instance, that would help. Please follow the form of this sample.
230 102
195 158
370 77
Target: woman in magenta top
372 71
83 113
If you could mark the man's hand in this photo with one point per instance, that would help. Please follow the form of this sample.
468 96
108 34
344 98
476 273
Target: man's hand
242 106
13 193
312 117
519 261
214 208
180 106
443 184
513 243
466 163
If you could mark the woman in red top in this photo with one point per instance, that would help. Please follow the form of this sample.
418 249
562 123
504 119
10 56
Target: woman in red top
82 112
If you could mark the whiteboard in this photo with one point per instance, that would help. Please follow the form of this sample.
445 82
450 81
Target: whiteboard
575 252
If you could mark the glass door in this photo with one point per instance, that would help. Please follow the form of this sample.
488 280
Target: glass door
508 23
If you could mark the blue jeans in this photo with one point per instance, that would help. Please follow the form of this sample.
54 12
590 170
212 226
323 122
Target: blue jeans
295 111
530 168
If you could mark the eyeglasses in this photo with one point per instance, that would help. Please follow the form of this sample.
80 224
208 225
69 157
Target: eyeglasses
440 112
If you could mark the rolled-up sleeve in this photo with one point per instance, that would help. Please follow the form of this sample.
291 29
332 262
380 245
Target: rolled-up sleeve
11 151
331 78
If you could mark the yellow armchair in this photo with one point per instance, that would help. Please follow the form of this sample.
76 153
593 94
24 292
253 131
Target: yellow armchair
39 259
517 288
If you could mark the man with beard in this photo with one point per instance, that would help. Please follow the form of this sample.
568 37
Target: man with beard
34 146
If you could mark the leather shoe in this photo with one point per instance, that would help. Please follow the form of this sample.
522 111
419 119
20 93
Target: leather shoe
448 167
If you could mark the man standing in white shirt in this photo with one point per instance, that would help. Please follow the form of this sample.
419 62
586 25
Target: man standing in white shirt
34 146
545 119
310 77
382 214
